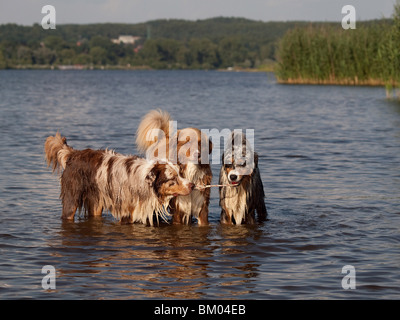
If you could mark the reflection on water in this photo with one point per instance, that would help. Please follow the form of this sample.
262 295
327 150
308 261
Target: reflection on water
169 262
329 159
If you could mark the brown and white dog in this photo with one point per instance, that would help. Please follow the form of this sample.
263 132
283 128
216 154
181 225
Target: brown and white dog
189 148
244 193
131 188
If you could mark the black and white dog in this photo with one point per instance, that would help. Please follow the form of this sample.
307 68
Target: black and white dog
244 192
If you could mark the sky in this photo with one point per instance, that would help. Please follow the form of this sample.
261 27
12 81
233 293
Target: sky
27 12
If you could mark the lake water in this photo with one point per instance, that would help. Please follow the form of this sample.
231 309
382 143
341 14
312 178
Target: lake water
329 160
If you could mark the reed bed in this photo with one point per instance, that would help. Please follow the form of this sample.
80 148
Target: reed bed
328 54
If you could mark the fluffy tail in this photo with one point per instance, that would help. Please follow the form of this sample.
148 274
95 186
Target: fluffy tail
155 119
57 151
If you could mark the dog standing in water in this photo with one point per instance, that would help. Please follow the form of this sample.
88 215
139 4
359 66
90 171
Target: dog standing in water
189 148
131 188
243 191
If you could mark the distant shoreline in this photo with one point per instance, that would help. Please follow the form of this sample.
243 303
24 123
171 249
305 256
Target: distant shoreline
124 67
342 82
291 81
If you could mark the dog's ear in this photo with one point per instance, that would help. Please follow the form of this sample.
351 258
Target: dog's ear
255 160
210 146
153 174
151 177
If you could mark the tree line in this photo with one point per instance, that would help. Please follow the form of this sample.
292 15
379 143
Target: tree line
303 52
176 44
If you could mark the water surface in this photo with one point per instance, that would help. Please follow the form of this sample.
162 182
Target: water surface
329 160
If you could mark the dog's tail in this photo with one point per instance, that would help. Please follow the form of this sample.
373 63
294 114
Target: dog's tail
57 151
150 126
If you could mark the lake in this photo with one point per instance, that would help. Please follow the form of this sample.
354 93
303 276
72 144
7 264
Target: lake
329 161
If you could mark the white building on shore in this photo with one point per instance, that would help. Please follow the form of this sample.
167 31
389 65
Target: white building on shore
126 39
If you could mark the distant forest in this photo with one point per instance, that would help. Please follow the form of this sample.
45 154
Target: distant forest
164 44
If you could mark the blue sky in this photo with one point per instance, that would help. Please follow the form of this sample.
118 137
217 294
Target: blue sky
27 12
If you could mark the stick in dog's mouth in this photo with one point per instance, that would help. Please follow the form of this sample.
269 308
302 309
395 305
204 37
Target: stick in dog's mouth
204 186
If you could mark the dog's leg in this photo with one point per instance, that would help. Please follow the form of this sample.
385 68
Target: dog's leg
261 210
203 216
69 197
180 208
68 211
226 218
178 217
126 220
250 217
96 212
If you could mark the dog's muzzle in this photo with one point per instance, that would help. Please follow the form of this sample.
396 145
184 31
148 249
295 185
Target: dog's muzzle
234 179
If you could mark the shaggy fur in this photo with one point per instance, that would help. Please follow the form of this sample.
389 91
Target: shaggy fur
131 188
245 193
187 147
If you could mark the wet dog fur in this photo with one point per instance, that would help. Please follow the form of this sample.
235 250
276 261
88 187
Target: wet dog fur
131 188
189 148
245 193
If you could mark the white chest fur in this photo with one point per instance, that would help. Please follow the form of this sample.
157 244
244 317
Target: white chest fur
192 203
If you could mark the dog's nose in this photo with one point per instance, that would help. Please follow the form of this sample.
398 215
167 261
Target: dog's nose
233 177
191 186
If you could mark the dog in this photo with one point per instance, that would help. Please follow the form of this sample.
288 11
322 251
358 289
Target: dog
243 191
131 188
189 148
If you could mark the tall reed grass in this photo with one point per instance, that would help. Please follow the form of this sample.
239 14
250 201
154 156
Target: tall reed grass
328 54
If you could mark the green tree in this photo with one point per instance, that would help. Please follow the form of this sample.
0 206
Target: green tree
43 56
98 55
100 41
24 55
232 51
54 43
66 56
82 58
161 53
3 63
204 54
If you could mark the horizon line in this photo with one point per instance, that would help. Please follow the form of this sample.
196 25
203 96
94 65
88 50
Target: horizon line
198 20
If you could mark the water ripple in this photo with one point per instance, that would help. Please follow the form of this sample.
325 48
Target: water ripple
329 159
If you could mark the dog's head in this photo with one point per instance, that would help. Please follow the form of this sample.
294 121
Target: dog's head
186 145
166 181
193 146
239 160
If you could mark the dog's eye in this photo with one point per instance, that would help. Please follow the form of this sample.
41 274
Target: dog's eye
228 165
171 183
241 164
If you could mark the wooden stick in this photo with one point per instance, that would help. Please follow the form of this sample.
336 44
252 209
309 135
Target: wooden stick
213 185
